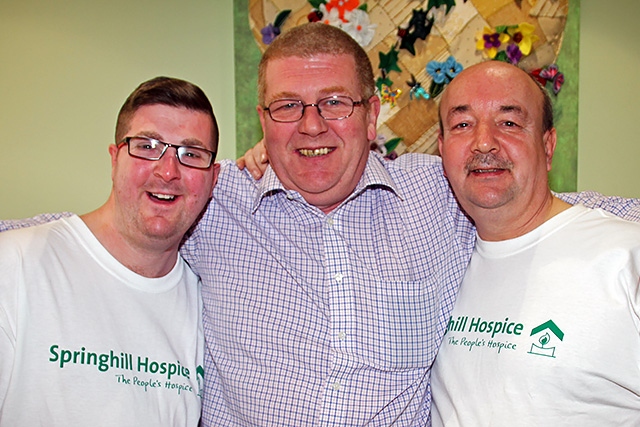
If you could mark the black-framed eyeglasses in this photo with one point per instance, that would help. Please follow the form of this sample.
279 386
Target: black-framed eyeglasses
335 107
147 148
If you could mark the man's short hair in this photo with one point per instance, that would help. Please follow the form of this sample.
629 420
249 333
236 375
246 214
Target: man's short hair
547 106
166 91
316 38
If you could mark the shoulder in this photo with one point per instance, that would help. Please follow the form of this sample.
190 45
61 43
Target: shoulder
415 174
414 162
33 243
606 227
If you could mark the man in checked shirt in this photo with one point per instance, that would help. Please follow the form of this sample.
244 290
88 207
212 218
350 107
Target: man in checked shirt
344 266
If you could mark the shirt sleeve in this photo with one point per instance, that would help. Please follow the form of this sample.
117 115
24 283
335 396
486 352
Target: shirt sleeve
12 224
628 209
8 300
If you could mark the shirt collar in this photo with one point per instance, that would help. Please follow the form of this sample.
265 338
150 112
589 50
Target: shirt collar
375 175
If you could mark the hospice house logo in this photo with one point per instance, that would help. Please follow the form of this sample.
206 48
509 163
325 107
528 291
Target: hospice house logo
140 371
499 335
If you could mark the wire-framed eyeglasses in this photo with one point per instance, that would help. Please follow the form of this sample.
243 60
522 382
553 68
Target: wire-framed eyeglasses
147 148
336 107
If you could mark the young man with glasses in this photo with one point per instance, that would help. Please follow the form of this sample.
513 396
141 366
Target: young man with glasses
100 318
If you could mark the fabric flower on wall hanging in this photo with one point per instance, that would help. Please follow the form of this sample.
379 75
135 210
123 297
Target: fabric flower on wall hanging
508 43
347 15
442 74
271 31
550 74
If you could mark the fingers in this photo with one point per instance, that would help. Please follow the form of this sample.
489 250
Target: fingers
255 160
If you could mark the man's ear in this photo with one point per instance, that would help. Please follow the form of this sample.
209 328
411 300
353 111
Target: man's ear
374 111
113 152
440 143
216 171
261 114
549 139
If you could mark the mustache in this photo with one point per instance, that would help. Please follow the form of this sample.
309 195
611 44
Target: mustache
487 161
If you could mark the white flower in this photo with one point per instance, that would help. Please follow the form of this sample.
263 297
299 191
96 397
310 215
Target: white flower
359 26
331 18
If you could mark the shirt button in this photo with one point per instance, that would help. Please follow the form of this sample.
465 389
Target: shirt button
330 222
338 277
289 196
342 336
336 385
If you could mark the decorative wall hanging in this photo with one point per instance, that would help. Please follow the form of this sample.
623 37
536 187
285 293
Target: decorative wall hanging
417 47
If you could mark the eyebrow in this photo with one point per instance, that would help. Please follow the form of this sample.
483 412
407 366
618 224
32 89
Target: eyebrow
503 109
191 142
512 109
457 110
329 91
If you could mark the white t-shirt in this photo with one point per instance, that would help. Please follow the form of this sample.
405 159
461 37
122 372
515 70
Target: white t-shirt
85 341
545 330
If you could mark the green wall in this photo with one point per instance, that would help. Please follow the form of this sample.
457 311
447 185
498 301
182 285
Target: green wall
67 66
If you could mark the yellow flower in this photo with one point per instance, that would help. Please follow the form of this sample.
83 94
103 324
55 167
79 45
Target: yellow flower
523 36
490 41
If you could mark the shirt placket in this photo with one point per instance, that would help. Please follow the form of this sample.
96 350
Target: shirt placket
338 279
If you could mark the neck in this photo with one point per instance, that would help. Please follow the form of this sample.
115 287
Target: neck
498 225
146 258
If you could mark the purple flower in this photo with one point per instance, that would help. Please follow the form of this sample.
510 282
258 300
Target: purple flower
491 40
514 54
269 33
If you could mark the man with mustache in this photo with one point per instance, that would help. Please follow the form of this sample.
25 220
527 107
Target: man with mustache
545 326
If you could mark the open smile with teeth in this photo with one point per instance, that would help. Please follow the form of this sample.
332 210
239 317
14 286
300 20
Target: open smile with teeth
165 197
315 152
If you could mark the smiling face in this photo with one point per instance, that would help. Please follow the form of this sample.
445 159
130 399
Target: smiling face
321 159
161 199
494 150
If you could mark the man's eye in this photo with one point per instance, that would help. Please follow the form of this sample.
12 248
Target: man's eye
333 103
287 106
144 145
193 154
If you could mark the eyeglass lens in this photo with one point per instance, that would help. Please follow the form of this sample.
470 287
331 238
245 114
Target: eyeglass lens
153 149
330 108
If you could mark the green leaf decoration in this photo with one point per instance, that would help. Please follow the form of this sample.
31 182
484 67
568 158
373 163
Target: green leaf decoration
316 3
438 3
435 89
281 17
383 81
363 7
391 144
389 61
501 56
